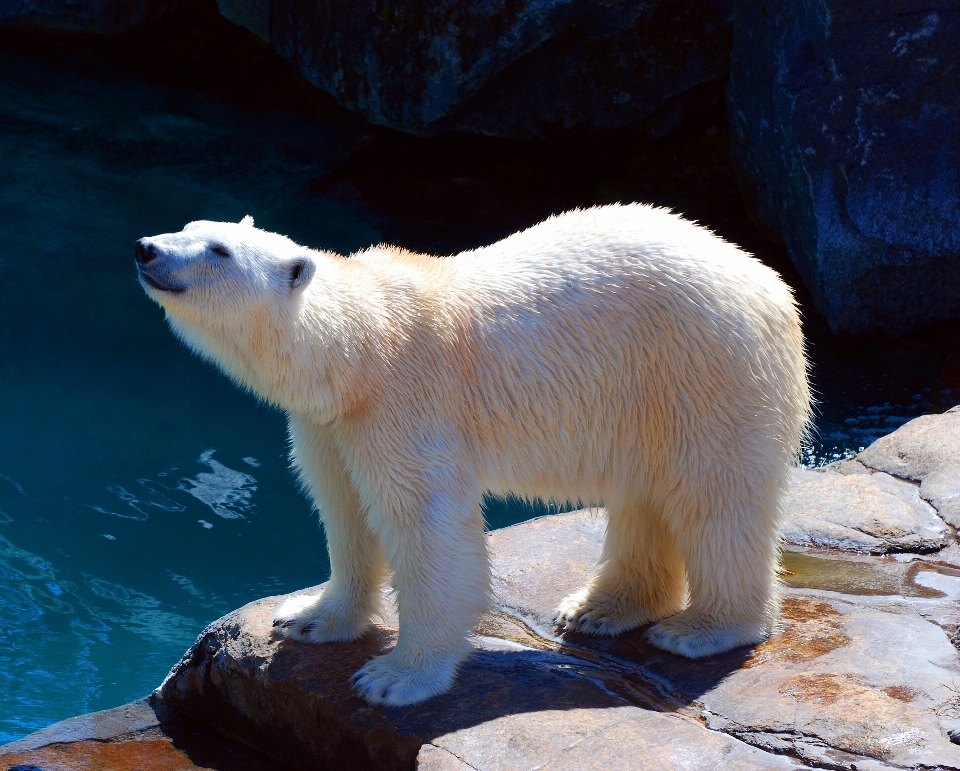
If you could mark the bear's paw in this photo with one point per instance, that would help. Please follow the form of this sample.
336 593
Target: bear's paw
696 636
593 612
320 618
392 681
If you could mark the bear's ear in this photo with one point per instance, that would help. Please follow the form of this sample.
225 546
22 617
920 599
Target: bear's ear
300 271
248 220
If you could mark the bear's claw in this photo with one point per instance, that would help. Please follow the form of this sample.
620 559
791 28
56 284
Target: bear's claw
320 618
387 681
591 612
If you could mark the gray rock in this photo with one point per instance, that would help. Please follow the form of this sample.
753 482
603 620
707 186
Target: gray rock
252 14
514 70
102 16
864 512
845 119
798 693
926 450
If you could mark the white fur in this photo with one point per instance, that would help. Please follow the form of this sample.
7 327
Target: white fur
618 354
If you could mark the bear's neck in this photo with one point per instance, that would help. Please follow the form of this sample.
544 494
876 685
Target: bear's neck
324 358
311 359
304 358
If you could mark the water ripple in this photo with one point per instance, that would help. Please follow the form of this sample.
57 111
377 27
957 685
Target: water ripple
229 493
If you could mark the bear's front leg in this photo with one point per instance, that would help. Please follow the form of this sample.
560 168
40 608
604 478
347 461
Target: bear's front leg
432 530
353 596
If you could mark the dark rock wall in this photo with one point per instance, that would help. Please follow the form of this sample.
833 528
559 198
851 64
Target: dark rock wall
509 68
846 128
101 16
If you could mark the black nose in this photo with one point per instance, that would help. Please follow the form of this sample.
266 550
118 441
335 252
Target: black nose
145 251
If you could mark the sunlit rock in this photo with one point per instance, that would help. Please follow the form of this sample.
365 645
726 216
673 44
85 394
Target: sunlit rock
854 675
926 450
859 673
872 513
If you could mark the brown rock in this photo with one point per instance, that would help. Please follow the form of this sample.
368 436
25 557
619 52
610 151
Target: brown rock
140 736
855 675
872 637
96 756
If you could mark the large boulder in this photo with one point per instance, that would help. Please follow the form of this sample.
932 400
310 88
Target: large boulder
861 511
101 16
845 122
506 69
859 674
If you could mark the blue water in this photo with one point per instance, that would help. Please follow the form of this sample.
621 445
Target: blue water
141 494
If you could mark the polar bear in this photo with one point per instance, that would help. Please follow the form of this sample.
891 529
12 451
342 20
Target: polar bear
617 354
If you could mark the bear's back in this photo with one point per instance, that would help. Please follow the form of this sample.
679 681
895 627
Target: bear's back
622 257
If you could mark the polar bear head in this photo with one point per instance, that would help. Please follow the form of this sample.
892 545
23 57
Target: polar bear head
216 270
232 293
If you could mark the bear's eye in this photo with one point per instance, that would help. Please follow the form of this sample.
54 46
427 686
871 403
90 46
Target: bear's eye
221 250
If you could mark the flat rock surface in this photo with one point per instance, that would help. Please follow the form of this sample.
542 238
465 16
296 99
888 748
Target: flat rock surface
854 670
857 676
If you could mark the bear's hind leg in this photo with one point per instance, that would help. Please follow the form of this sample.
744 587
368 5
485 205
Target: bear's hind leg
640 577
346 607
731 548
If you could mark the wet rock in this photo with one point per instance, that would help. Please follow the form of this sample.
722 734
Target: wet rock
845 121
848 633
102 16
517 702
926 450
515 70
866 512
